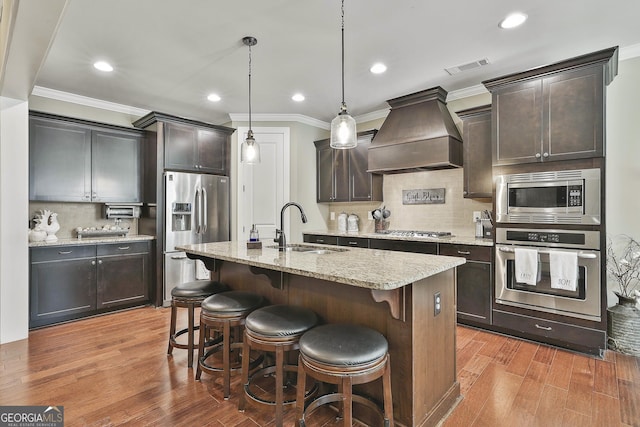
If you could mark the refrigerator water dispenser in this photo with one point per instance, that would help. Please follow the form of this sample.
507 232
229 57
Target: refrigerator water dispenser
181 217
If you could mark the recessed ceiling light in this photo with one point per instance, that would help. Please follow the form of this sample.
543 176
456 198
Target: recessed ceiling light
103 66
298 97
214 97
378 68
513 20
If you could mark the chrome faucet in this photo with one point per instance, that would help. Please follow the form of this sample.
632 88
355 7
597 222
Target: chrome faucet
280 237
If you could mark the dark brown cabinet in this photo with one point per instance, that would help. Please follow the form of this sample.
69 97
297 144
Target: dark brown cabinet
342 174
70 282
320 238
62 284
430 248
474 284
123 274
195 149
476 149
72 160
354 242
552 113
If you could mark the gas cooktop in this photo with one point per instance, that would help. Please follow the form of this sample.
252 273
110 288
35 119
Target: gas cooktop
416 233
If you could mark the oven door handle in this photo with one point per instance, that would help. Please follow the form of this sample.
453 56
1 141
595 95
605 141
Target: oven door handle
584 255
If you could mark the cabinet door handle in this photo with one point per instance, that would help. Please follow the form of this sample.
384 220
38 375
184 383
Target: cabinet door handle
99 261
123 248
353 243
93 262
545 154
319 240
179 257
64 252
464 252
538 155
544 328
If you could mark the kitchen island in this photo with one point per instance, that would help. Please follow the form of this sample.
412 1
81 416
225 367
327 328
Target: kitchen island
394 293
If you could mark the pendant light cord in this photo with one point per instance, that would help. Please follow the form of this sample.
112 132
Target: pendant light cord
343 104
250 87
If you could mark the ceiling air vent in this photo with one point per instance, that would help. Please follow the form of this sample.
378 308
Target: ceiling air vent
467 67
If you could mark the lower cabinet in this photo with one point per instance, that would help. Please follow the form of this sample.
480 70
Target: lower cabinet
320 238
123 274
474 283
70 282
354 242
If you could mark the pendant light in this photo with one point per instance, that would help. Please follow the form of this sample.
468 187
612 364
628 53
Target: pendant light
250 150
343 126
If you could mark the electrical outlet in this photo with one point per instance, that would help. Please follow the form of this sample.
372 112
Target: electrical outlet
369 215
332 216
437 304
476 215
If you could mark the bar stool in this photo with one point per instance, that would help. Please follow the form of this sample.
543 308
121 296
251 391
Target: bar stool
221 312
275 329
345 355
189 295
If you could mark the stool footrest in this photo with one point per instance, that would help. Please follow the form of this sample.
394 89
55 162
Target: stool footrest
269 370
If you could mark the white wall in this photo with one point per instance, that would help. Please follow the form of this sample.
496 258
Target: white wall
14 252
623 154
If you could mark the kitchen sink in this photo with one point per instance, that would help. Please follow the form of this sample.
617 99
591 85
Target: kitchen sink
318 250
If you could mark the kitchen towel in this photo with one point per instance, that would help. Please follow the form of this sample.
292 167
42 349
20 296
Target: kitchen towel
527 266
563 268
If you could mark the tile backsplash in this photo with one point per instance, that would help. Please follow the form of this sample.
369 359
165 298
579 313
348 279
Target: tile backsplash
73 215
455 215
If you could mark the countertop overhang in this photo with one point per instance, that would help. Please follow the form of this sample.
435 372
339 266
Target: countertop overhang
367 268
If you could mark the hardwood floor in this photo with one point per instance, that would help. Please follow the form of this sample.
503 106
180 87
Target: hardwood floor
113 370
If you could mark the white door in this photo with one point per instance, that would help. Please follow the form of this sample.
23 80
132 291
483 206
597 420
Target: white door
263 188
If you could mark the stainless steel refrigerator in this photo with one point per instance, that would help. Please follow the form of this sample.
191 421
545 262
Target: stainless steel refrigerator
196 211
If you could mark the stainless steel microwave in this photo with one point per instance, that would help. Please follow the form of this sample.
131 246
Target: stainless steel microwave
553 197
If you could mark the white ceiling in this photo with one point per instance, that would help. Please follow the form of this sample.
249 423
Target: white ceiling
169 55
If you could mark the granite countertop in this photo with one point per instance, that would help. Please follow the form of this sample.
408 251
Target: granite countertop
92 240
454 239
366 268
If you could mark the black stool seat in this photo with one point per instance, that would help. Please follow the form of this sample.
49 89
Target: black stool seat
281 321
232 302
198 289
343 345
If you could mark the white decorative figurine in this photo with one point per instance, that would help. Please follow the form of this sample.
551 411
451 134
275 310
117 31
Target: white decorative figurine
46 227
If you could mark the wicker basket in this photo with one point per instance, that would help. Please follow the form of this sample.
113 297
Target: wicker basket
624 328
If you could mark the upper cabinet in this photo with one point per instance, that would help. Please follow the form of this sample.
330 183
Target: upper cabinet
74 160
476 151
196 149
555 112
187 145
342 174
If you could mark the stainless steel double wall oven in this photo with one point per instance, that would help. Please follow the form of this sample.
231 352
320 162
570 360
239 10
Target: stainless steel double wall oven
554 198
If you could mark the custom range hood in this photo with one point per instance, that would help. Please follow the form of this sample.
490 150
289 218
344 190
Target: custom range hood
418 134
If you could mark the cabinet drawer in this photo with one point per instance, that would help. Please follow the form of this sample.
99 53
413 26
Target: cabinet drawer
356 242
470 252
321 238
556 333
61 253
123 248
430 248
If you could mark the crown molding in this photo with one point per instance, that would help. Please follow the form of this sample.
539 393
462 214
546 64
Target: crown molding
466 92
374 115
267 117
629 52
86 101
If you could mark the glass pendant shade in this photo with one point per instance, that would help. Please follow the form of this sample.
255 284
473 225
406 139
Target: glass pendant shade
343 131
250 150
